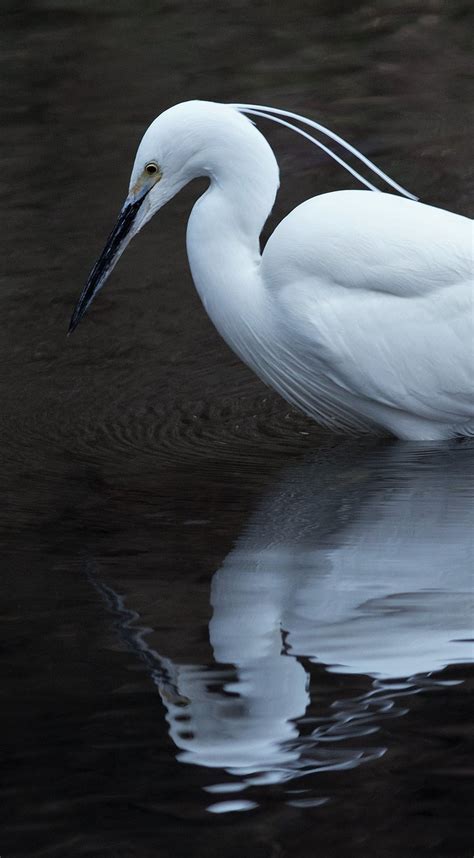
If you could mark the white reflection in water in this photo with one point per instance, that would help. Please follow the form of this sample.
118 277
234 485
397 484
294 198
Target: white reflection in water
373 576
362 564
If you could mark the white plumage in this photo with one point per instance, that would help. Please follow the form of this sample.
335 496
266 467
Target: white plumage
380 290
360 309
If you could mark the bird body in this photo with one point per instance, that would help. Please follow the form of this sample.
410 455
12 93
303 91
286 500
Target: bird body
360 309
380 292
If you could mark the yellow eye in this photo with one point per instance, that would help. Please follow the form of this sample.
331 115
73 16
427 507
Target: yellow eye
151 168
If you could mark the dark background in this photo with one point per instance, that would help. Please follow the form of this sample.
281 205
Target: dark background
115 439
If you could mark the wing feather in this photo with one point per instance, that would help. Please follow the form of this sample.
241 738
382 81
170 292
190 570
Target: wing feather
375 294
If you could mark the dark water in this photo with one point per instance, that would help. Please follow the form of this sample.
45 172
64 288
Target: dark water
224 632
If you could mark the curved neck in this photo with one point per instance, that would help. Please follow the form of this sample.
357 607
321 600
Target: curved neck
223 246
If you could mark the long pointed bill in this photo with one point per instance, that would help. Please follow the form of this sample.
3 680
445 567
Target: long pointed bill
116 243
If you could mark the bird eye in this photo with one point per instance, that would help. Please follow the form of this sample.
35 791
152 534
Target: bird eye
151 168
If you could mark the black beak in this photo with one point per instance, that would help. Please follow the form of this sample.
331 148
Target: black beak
116 244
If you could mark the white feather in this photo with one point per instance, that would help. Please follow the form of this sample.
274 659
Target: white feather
359 311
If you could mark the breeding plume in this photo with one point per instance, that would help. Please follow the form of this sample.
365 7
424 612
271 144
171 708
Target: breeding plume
360 309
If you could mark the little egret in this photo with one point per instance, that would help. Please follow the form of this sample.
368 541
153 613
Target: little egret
359 310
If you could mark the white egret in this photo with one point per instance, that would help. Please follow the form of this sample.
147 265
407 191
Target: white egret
359 310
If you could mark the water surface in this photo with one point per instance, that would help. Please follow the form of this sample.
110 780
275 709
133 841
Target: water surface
224 632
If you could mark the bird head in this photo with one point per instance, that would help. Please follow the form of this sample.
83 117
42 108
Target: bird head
184 142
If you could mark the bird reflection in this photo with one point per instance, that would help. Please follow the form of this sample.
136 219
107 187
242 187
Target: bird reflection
358 564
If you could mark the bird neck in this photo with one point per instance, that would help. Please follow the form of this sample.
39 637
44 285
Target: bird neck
224 250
